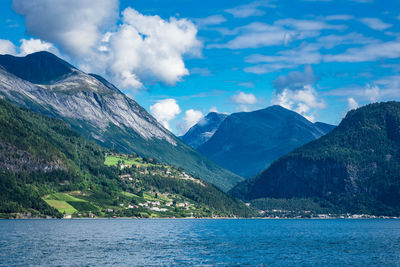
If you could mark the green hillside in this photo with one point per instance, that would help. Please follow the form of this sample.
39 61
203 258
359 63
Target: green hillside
355 168
48 169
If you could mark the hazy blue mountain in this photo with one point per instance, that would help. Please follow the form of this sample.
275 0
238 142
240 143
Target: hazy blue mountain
204 129
248 142
95 108
355 167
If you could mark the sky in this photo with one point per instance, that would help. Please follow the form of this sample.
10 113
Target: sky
181 59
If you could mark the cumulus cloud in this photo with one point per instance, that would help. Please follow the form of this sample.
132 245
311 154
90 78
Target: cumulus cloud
139 49
164 111
244 100
35 45
75 25
27 47
148 48
295 91
7 47
190 119
375 23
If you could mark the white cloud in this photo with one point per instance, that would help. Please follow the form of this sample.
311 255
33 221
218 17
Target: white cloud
295 91
201 71
249 10
190 119
282 32
295 80
140 49
75 25
256 35
302 100
27 47
351 103
35 45
332 40
267 68
151 48
339 17
210 20
165 110
372 93
243 101
369 52
310 53
306 54
7 47
246 84
213 109
243 98
308 25
375 23
383 89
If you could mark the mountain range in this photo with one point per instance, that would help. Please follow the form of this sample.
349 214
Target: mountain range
49 169
355 167
44 83
248 142
202 131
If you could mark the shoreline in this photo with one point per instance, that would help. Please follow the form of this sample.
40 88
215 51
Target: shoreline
209 218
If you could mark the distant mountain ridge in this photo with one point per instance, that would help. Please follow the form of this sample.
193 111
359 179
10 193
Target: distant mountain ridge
95 108
247 142
204 129
355 167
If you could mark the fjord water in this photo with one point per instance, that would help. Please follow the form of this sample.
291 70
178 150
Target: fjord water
200 242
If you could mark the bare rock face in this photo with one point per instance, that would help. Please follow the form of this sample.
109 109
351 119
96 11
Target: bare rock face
93 107
82 97
16 160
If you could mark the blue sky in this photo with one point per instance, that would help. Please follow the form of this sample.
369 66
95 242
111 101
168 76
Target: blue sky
180 59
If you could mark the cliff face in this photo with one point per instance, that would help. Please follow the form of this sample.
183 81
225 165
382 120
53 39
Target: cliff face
83 98
360 159
44 83
15 160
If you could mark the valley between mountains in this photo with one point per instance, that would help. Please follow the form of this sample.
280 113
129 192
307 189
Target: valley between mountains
73 145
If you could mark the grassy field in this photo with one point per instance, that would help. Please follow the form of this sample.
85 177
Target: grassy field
61 206
63 197
113 161
68 204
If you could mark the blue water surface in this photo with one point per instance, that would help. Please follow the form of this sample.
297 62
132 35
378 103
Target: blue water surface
199 242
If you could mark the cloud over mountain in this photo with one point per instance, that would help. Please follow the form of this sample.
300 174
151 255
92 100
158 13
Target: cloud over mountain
296 91
141 48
